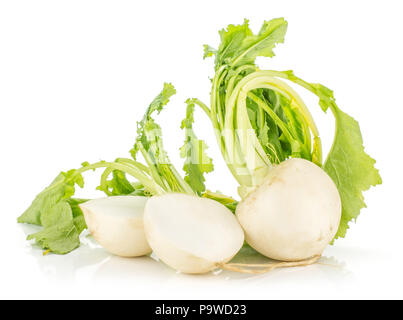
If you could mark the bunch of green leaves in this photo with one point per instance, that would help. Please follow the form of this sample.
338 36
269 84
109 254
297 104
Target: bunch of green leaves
261 121
149 143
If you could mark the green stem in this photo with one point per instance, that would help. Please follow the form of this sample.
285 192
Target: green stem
222 198
152 168
104 181
273 115
231 81
201 105
133 163
266 79
151 186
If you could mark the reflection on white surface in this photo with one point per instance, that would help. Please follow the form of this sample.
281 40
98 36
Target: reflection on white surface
91 262
91 272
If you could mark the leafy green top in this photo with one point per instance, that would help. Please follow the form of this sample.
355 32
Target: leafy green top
262 121
239 46
351 169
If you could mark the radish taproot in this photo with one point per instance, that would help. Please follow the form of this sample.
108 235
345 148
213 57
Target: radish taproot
116 223
294 214
191 234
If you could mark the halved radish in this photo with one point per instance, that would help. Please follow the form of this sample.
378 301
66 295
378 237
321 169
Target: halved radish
191 234
116 223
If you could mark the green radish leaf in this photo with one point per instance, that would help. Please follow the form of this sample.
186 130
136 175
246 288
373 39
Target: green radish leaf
118 185
208 51
63 187
78 216
232 39
271 33
197 162
239 46
58 213
347 163
59 235
350 167
149 143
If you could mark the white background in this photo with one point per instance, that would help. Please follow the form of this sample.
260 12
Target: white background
75 76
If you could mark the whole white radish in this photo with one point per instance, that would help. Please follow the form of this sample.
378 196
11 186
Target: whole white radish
294 214
191 234
116 223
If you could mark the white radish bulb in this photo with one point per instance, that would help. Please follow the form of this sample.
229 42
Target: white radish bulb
116 223
294 214
191 234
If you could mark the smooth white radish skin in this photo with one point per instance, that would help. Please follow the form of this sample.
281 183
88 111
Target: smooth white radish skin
191 234
294 214
116 223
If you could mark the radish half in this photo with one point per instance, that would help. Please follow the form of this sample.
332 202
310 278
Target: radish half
294 214
191 234
116 223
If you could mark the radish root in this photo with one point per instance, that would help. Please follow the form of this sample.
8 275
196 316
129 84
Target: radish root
266 267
